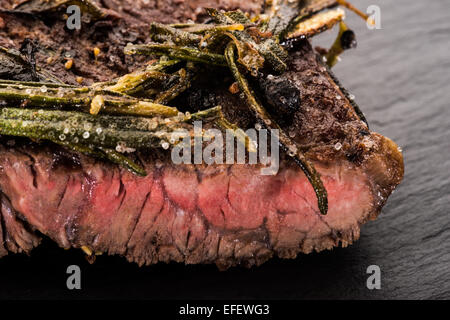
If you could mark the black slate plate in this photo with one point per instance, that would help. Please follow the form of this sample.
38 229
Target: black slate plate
400 76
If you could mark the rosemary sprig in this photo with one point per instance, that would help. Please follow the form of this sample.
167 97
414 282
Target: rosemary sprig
183 83
52 96
117 157
139 81
305 10
280 14
105 137
316 24
176 52
275 56
80 127
22 84
135 81
202 29
176 36
106 154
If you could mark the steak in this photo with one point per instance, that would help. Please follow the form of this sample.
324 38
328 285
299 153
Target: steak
223 214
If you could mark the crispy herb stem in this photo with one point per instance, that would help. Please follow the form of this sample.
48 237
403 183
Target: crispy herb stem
176 52
351 7
177 36
316 24
21 84
183 83
208 28
81 99
344 40
106 154
275 56
139 81
117 157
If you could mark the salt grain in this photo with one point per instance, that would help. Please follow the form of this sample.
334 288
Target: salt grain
338 146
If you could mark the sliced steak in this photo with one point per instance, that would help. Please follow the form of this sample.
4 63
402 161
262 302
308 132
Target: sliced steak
223 214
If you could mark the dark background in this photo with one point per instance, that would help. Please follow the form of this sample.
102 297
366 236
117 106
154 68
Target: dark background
400 76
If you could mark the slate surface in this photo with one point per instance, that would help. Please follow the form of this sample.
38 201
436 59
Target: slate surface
400 76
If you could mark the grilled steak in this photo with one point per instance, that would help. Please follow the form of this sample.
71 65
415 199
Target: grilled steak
223 214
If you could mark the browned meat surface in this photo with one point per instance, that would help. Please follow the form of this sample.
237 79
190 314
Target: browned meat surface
223 214
128 23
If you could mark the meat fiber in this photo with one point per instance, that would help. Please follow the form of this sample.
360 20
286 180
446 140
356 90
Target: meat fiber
223 214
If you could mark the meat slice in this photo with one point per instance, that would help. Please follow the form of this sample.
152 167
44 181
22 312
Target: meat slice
223 214
226 215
